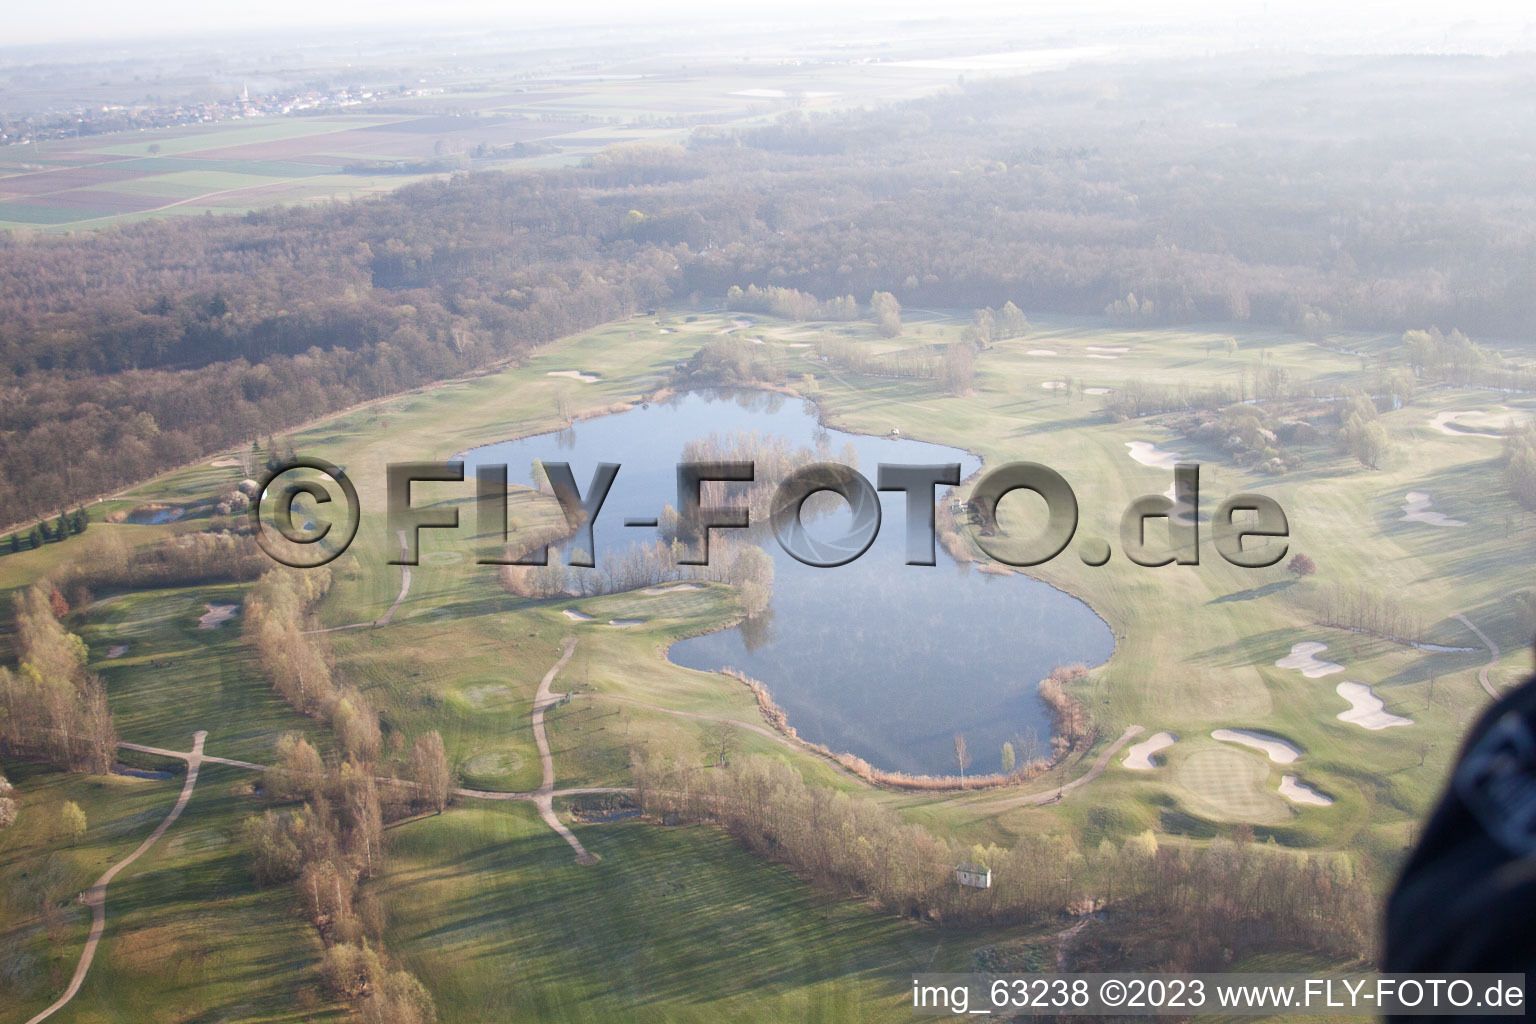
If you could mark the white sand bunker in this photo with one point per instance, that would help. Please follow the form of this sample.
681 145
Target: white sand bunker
224 463
1442 421
1278 750
1298 792
1366 709
585 378
665 330
1097 391
1099 355
1053 385
1041 352
1303 658
1416 510
625 622
1139 757
1109 348
572 613
216 615
1149 454
672 588
117 650
801 344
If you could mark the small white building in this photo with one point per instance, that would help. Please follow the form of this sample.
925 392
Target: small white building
974 875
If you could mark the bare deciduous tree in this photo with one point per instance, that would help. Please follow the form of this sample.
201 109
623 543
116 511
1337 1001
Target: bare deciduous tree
429 770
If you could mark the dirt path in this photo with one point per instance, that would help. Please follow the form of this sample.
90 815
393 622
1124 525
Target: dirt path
96 896
182 755
405 588
1050 796
543 799
1493 656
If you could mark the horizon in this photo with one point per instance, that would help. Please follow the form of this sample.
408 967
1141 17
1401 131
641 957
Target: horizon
1491 27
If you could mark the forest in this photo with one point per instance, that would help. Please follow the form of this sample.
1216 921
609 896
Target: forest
1312 194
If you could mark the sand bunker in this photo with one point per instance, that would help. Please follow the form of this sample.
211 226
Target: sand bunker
666 330
1278 750
1149 454
1298 792
672 588
1041 352
1108 348
1139 757
224 463
585 378
1303 658
1180 513
625 622
801 344
1416 510
1366 709
1053 385
572 613
117 650
1097 391
1096 355
1446 423
216 615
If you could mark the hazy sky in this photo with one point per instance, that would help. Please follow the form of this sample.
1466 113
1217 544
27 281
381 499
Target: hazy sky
1463 24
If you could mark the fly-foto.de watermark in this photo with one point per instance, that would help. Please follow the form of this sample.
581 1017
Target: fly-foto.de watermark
1238 519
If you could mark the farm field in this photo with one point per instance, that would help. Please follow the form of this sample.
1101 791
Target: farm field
245 164
486 904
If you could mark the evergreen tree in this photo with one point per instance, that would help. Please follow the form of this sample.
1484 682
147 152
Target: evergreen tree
79 522
35 538
15 543
61 527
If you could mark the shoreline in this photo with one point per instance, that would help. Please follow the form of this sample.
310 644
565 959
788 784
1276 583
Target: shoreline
849 761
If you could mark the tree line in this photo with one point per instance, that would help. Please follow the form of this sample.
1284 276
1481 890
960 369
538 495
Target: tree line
324 837
125 351
1221 900
52 708
296 662
324 831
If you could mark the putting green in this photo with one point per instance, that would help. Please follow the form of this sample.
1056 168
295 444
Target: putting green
1231 786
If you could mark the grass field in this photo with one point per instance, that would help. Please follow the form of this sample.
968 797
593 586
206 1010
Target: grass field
486 904
188 937
671 925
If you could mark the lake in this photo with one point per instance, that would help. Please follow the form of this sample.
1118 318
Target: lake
879 658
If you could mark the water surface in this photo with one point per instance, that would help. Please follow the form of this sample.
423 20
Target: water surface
885 660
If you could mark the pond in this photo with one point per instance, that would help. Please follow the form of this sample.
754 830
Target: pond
879 658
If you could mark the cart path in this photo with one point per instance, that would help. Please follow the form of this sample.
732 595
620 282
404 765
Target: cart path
383 620
1052 795
543 798
1493 656
96 896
